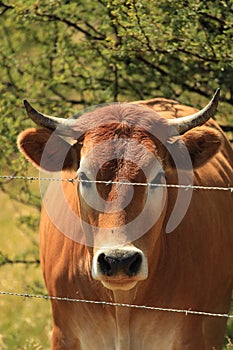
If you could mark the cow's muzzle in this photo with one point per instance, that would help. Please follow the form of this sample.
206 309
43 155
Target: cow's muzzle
119 268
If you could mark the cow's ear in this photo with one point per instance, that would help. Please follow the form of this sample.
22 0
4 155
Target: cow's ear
46 150
202 143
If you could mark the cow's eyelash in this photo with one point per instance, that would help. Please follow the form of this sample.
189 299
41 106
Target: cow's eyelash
84 179
158 178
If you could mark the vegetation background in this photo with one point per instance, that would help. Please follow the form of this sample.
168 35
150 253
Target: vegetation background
66 55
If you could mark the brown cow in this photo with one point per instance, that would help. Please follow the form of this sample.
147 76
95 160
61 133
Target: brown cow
136 244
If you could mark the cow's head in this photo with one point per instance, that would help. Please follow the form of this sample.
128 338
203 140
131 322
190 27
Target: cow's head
115 145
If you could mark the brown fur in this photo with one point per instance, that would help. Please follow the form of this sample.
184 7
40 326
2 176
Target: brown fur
32 142
188 268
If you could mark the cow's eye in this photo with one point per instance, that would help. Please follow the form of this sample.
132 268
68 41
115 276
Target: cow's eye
159 179
84 180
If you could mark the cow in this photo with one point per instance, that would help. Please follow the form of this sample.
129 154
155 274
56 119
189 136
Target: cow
115 229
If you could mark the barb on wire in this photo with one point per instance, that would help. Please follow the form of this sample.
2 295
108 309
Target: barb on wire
73 180
109 303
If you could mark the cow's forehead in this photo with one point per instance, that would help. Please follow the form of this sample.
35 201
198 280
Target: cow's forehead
134 134
119 149
122 119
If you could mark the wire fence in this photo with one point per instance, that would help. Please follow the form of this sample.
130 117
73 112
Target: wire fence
76 180
108 303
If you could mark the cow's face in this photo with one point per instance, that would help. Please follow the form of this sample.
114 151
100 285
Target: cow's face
116 214
123 223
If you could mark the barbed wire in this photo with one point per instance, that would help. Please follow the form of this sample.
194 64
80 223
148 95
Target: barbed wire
76 180
109 303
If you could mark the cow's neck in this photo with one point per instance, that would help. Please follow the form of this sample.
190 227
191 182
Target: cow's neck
122 316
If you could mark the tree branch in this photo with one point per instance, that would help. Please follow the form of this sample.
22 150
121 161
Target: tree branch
6 7
4 260
70 24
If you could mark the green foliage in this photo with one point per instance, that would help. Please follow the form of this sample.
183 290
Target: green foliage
63 53
24 323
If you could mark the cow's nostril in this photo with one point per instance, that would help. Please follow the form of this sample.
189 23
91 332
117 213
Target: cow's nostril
104 265
123 262
135 264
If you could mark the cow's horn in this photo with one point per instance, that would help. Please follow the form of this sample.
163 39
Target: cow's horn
47 121
184 124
